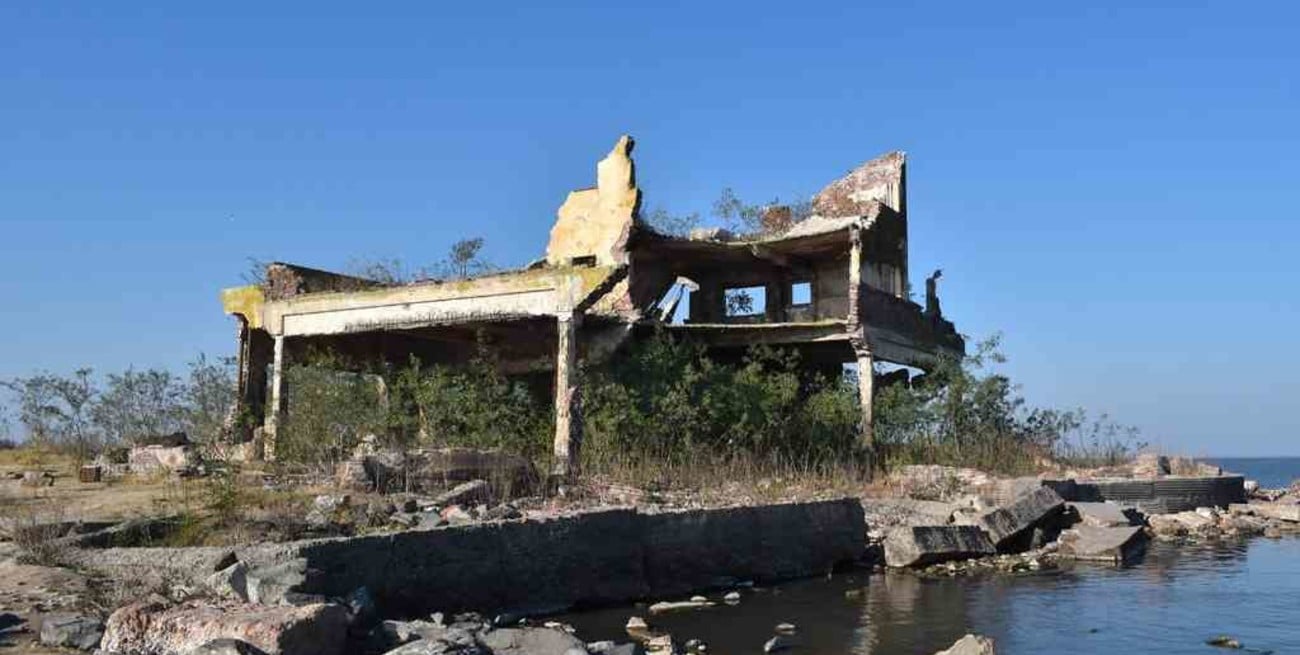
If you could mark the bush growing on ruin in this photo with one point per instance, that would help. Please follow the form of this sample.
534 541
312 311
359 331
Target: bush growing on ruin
963 413
665 399
473 406
328 410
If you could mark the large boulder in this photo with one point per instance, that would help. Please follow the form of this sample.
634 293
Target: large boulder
152 626
1107 544
1006 525
921 545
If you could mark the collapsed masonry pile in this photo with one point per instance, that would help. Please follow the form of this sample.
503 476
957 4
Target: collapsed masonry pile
967 521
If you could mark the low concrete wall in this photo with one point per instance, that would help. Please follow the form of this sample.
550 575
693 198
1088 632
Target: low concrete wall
1159 495
597 557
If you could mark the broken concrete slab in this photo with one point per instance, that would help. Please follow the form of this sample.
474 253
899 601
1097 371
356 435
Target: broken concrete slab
930 544
1107 544
885 513
1103 515
1005 491
1005 524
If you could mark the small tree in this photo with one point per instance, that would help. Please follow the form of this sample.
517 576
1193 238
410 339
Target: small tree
463 260
209 398
56 410
139 403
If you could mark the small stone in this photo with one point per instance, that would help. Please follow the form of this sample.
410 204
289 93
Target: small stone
699 599
1223 641
779 643
361 604
663 607
71 631
636 624
732 597
9 620
330 503
456 515
317 519
404 520
786 628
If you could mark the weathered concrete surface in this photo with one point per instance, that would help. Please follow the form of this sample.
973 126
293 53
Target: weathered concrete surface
602 556
1102 515
694 549
1164 495
1005 491
1110 544
921 545
597 222
885 513
1005 524
155 628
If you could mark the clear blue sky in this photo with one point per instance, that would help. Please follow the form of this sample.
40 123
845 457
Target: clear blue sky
1113 188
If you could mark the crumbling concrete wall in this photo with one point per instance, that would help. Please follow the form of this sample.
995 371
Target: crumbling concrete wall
596 223
603 556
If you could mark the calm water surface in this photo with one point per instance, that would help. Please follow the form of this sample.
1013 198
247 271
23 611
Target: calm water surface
1271 472
1170 602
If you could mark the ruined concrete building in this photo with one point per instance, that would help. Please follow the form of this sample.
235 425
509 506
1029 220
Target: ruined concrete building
833 286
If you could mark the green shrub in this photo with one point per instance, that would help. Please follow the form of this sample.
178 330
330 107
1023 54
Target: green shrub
666 399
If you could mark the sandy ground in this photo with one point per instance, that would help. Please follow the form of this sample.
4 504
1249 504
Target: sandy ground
34 592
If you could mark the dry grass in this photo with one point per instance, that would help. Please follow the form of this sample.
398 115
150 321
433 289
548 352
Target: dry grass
719 480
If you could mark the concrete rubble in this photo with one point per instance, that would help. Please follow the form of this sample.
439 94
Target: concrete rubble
1102 515
920 545
1005 525
1107 544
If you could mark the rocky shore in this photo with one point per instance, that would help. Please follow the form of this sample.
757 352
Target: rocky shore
465 548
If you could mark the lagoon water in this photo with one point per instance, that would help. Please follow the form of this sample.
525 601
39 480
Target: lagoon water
1171 602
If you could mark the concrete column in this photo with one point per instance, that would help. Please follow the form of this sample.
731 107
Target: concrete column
855 278
568 412
866 395
250 401
275 410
